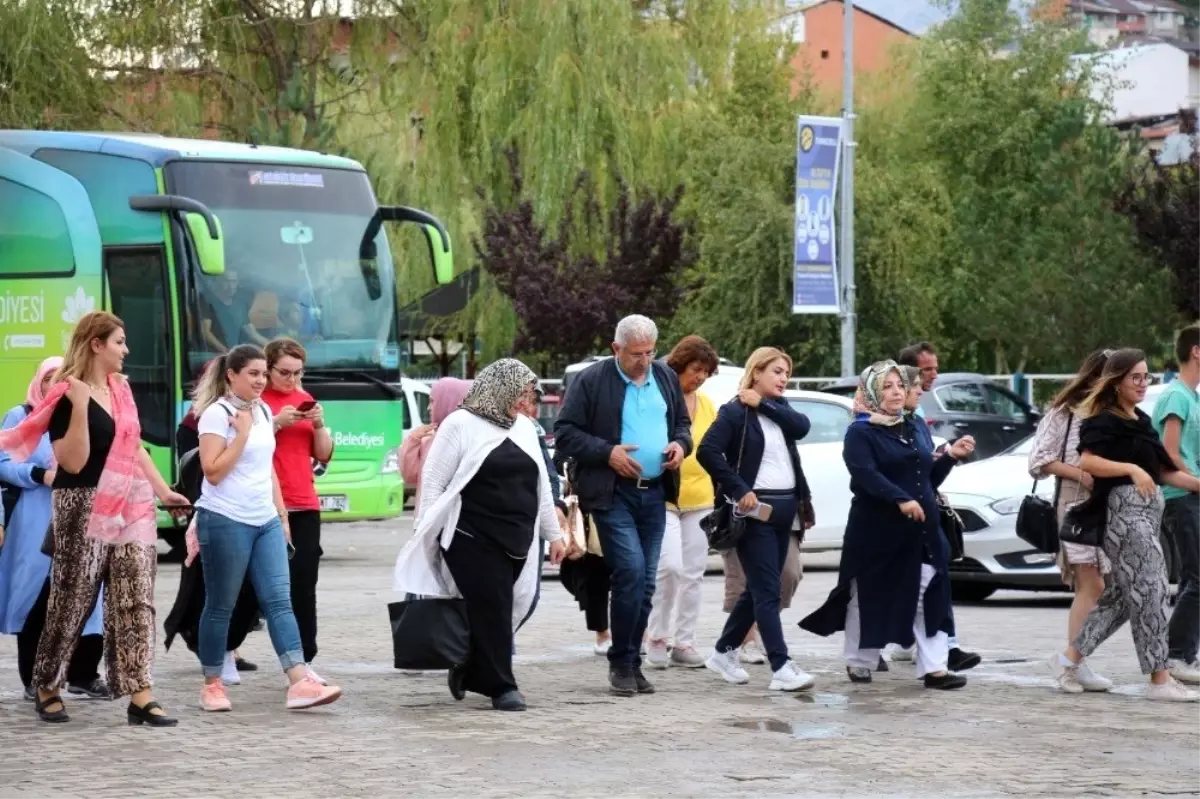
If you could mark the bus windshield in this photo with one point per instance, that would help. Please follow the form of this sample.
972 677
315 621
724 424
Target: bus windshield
292 236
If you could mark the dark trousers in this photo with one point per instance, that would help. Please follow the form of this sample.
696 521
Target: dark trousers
762 551
596 585
306 538
1182 521
84 667
485 576
631 534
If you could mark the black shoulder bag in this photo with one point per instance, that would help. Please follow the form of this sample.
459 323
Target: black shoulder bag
723 528
1037 519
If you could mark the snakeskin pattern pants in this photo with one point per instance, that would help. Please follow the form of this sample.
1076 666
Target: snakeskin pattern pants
1136 589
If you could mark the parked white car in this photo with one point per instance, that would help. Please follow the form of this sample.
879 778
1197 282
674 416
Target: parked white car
987 495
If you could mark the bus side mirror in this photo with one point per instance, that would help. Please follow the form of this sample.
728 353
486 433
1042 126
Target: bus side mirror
439 251
201 222
209 250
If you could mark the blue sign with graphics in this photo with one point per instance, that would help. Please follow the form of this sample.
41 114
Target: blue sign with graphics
815 286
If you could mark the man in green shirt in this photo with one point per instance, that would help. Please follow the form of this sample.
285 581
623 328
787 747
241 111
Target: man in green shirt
1177 420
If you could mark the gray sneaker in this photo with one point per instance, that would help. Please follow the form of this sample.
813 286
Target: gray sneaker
687 656
657 656
621 681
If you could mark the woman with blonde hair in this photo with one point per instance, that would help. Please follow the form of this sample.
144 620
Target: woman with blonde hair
750 451
242 526
1120 449
104 519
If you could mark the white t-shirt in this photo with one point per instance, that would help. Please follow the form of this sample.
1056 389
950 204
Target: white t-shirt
246 494
775 472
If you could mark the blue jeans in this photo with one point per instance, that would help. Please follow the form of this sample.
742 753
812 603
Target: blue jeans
631 534
762 550
227 549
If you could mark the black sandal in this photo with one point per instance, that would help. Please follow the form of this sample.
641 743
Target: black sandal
51 716
142 715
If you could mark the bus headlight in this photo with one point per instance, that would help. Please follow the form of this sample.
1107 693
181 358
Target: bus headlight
391 461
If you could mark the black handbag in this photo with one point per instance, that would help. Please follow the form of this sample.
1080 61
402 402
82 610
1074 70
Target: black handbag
1037 519
723 528
1078 529
952 527
430 634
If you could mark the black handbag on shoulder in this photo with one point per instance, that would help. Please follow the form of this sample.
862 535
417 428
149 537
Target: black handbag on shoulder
952 527
1037 519
1081 528
724 528
430 634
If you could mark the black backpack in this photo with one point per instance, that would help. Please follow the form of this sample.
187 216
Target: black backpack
9 492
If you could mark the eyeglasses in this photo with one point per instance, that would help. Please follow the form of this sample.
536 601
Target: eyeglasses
642 356
1140 379
288 374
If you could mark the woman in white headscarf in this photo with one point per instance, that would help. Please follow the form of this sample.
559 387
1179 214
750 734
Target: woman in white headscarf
485 499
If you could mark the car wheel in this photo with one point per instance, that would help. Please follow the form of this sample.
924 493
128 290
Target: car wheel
971 592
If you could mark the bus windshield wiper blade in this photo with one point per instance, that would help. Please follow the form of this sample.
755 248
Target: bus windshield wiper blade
344 374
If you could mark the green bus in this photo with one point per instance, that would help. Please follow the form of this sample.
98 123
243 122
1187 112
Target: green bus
154 229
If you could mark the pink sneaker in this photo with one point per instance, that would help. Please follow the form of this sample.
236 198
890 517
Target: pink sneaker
214 699
310 693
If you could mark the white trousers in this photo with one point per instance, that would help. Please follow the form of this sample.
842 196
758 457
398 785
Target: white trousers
932 651
681 567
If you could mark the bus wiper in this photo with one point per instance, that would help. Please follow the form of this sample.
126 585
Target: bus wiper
339 374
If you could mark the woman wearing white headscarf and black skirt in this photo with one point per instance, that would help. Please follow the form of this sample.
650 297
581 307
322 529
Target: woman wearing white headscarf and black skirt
485 497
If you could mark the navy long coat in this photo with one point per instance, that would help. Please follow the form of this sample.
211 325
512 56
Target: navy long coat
883 550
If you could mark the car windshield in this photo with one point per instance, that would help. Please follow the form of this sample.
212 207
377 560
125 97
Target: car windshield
292 238
829 419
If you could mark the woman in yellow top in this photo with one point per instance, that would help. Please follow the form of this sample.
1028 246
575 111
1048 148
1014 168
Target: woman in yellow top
672 625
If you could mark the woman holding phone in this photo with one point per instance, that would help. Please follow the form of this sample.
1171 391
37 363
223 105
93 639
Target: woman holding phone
750 451
301 438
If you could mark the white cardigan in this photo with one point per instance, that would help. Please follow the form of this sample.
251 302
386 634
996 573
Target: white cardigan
462 442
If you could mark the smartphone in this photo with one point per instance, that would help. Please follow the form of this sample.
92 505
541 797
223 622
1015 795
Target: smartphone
291 550
306 406
764 512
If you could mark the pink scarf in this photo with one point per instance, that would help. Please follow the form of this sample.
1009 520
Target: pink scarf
123 510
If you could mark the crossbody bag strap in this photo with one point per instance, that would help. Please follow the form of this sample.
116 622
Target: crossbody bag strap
742 445
1062 458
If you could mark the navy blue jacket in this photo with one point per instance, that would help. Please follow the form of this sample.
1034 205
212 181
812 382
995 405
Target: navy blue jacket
589 426
718 452
883 550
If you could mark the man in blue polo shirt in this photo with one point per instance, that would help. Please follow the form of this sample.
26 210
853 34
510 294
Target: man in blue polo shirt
625 423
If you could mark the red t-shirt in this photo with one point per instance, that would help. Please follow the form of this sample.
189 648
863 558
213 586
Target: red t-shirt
294 452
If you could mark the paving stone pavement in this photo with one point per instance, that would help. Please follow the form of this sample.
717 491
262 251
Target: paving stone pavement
398 734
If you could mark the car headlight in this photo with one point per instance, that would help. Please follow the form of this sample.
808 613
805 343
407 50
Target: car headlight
391 461
1007 507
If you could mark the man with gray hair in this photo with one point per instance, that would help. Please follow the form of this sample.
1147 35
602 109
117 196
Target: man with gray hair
625 423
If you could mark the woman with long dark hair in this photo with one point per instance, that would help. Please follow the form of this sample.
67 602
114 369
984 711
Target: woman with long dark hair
242 526
1121 451
1055 453
104 519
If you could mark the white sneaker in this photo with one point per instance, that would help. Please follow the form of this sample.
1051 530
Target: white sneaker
657 655
1171 691
1066 676
229 671
312 675
752 653
1090 680
602 647
726 664
791 678
899 655
1184 671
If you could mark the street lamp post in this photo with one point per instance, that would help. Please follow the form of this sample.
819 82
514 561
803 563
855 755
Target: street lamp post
849 318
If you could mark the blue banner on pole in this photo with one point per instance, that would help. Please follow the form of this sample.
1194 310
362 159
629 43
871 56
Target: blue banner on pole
815 286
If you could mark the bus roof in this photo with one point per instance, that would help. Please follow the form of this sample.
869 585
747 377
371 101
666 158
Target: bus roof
158 150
